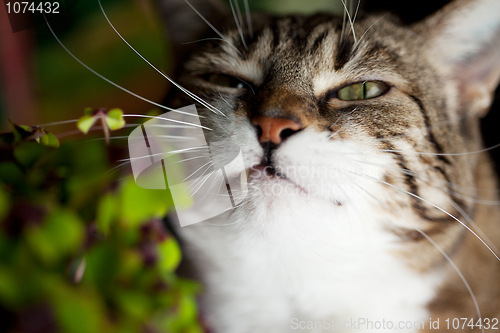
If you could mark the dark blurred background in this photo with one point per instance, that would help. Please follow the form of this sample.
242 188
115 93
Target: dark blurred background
41 83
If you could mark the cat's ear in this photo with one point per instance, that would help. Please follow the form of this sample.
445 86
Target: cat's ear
187 21
463 39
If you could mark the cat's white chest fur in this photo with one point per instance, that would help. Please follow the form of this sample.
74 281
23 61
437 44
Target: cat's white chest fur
284 263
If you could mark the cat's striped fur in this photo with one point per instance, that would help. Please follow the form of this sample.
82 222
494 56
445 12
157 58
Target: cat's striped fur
378 240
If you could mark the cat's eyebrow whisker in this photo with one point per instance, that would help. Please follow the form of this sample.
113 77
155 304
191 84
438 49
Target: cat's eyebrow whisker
212 27
346 11
238 21
344 20
443 253
187 92
104 78
356 12
363 35
213 38
249 18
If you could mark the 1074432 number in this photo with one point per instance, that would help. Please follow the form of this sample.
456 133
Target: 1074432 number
463 323
32 7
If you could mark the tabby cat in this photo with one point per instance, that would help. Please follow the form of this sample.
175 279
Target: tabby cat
370 197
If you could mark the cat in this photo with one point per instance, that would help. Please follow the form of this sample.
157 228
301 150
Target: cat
370 197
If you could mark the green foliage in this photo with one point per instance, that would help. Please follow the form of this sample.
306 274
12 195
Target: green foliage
114 119
80 250
111 120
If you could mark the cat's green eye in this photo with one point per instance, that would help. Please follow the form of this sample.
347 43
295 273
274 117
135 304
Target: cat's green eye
362 90
225 81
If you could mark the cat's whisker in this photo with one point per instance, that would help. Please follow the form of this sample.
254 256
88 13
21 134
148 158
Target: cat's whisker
342 33
170 126
443 154
399 136
58 123
212 27
428 179
202 40
364 34
474 200
429 127
238 25
350 21
201 181
102 77
187 92
187 159
213 38
239 12
69 133
430 203
249 18
175 137
343 126
110 138
443 253
163 153
225 101
448 191
437 207
356 12
119 166
224 225
210 163
474 225
77 131
127 161
167 119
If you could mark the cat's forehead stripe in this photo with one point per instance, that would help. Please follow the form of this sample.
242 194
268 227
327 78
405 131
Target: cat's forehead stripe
312 42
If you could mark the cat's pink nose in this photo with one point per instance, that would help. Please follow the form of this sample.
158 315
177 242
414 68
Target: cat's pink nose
275 130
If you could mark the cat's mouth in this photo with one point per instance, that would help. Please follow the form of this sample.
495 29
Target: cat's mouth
267 172
266 167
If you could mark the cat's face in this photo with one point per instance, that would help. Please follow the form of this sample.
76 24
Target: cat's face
377 117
